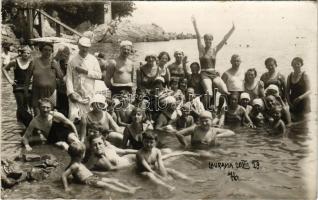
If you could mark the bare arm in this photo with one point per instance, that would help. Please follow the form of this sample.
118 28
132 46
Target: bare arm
27 134
28 79
66 174
56 66
161 166
199 42
143 162
83 128
110 73
61 118
5 70
112 123
125 138
220 132
225 38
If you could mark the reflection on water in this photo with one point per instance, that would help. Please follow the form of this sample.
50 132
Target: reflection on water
280 176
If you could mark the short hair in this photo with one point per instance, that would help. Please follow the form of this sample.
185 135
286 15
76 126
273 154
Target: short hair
94 136
175 53
137 109
162 54
234 94
76 149
46 100
250 70
43 44
298 59
234 56
195 63
149 135
269 60
208 36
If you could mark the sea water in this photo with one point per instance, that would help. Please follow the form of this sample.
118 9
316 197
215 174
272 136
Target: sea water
262 166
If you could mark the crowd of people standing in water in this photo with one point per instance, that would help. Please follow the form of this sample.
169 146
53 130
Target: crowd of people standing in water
177 99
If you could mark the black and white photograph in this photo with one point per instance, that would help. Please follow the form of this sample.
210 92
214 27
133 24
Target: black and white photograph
158 99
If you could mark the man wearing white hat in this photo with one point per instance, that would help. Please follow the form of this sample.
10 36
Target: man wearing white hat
120 71
81 74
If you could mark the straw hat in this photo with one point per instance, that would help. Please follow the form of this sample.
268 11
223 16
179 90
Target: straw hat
85 42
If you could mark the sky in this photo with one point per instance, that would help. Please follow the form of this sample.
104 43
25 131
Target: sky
218 16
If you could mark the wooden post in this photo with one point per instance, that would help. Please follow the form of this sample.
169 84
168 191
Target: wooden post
107 12
40 23
29 24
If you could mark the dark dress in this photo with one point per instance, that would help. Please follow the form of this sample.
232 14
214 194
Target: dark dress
297 89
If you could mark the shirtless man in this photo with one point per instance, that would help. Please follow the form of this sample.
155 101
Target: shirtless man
121 70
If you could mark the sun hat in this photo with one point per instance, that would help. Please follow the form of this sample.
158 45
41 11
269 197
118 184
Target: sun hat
258 101
206 114
85 42
125 43
245 95
272 87
98 98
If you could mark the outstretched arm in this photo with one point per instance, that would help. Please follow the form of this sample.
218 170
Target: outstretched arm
200 45
5 70
225 38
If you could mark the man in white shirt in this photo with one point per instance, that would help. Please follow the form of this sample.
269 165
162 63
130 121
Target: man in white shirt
82 72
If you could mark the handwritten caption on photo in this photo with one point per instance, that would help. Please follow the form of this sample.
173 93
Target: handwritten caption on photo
231 166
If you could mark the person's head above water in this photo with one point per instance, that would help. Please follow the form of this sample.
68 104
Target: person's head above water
205 120
149 139
76 150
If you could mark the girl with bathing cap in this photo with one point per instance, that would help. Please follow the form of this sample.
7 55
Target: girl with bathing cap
203 135
207 57
244 101
256 114
20 66
100 119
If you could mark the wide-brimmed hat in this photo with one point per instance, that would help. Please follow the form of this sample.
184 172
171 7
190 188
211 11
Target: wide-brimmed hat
85 42
98 98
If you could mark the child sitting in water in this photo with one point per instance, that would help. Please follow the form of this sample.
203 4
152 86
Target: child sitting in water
85 176
256 113
276 125
244 101
203 135
195 78
105 156
133 132
149 163
186 120
235 114
124 111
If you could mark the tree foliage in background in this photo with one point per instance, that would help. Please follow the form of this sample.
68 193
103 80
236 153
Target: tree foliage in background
122 9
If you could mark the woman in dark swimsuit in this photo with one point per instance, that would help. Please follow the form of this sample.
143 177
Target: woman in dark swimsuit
21 67
274 77
207 57
298 90
147 73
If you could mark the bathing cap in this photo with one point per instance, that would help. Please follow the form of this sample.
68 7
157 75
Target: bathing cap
258 101
206 114
125 43
245 95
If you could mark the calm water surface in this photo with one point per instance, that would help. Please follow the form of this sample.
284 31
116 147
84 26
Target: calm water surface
287 164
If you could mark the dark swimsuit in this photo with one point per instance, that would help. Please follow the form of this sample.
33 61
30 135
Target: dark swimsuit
147 81
208 67
134 144
296 90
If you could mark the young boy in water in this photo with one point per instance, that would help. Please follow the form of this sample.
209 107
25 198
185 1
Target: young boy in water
124 110
276 124
185 120
256 113
150 164
85 176
203 135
